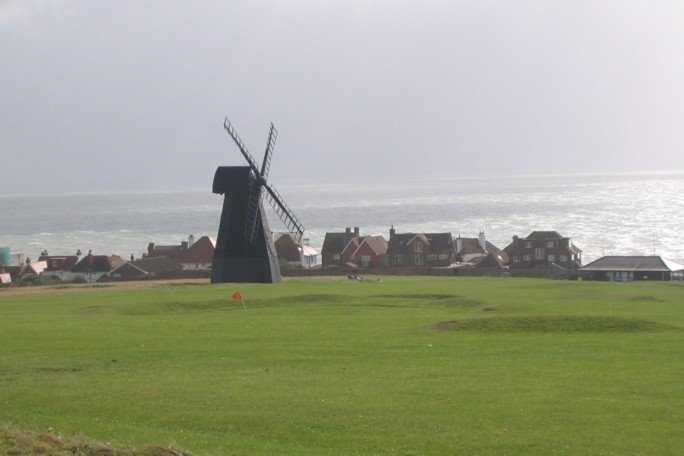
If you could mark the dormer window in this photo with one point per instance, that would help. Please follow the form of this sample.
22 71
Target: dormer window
418 247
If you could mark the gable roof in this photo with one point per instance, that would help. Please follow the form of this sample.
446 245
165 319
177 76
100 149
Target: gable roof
633 263
440 242
153 265
201 251
59 262
470 246
544 235
34 267
98 263
378 244
334 243
398 242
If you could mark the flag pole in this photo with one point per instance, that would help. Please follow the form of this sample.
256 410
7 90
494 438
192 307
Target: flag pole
243 303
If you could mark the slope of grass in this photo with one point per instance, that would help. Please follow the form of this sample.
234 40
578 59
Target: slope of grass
335 366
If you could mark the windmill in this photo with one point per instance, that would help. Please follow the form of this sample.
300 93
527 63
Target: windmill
244 246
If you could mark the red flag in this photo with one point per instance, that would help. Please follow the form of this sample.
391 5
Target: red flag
237 296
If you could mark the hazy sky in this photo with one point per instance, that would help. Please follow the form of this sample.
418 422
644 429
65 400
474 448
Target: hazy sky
131 95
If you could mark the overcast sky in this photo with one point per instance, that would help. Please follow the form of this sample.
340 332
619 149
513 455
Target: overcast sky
131 95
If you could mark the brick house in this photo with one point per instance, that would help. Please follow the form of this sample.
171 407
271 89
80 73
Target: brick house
192 254
366 252
421 249
542 249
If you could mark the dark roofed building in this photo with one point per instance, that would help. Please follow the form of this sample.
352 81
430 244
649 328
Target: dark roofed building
145 267
420 249
333 245
56 263
542 250
93 267
630 268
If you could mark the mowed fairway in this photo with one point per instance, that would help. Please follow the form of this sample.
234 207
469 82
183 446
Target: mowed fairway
395 365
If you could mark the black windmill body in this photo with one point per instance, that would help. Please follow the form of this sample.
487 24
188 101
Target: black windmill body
244 246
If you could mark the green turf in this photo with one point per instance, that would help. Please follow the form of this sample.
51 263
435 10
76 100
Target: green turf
397 365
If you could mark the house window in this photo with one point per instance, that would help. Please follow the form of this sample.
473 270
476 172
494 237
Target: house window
528 257
418 260
529 244
352 256
399 258
432 256
549 244
538 253
552 258
365 260
516 259
563 258
418 247
336 256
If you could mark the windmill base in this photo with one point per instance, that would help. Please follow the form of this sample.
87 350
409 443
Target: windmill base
245 270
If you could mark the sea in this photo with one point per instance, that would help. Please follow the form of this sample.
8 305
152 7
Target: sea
603 214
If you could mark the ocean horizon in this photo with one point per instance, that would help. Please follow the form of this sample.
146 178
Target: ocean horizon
611 214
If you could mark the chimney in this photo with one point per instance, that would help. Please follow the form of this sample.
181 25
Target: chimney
392 231
132 257
356 231
483 240
347 230
191 240
90 258
150 248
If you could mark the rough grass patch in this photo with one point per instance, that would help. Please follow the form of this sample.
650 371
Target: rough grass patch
553 324
15 441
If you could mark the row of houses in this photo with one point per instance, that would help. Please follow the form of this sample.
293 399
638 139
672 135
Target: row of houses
539 249
546 252
159 260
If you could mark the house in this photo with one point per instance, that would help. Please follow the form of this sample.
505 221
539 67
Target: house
145 267
192 254
366 252
420 249
631 268
469 249
543 249
293 253
59 265
92 268
32 269
333 244
5 277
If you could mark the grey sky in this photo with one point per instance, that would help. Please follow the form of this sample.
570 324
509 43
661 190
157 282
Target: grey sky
131 95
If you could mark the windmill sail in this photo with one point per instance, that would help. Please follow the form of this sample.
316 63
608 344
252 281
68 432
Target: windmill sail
241 145
270 144
288 217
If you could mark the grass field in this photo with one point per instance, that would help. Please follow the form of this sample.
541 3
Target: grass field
393 365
